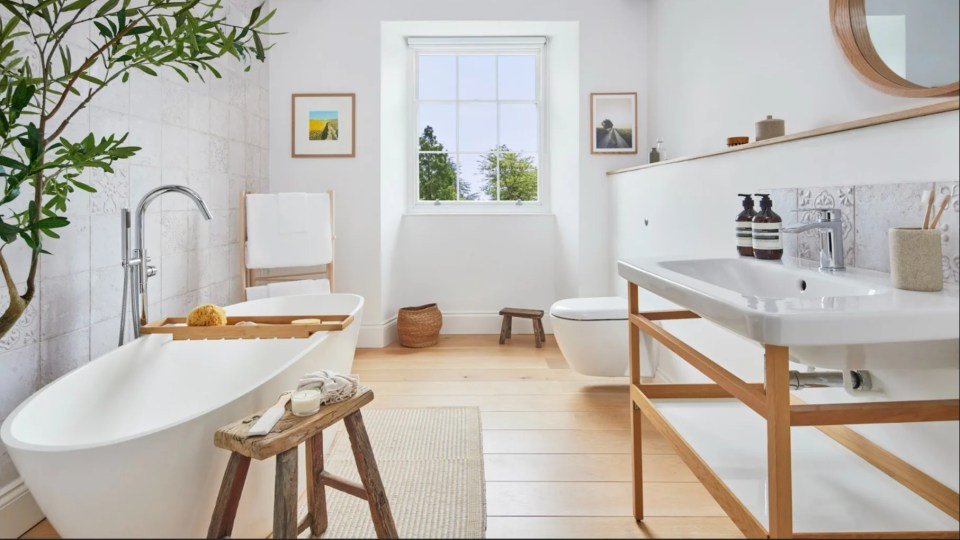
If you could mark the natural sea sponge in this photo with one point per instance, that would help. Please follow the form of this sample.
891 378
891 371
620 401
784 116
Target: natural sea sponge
207 315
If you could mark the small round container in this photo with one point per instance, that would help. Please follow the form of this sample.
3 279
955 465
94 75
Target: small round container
305 402
769 128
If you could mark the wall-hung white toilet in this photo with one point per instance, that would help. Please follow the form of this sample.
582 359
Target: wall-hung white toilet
592 335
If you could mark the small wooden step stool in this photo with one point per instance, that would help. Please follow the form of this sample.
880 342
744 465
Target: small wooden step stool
535 315
282 442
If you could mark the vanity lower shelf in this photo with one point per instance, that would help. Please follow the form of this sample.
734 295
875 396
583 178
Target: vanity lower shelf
833 489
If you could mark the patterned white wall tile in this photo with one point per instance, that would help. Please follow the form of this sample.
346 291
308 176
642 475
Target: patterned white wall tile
174 233
63 354
219 158
142 180
105 335
880 207
237 130
71 252
21 374
27 330
21 377
175 146
147 96
106 293
105 241
176 104
113 189
199 113
950 227
175 276
148 135
64 304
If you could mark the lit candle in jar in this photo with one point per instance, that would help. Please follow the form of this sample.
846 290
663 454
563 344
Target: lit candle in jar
305 402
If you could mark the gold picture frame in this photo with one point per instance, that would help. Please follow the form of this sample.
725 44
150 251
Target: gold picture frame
323 125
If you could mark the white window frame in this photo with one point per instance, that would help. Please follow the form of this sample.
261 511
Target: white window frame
477 46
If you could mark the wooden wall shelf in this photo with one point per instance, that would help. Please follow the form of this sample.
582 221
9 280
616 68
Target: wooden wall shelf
926 110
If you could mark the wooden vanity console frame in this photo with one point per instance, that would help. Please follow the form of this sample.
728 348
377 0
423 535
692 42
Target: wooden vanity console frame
772 400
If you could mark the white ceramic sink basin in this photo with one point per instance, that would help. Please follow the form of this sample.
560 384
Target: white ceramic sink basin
853 318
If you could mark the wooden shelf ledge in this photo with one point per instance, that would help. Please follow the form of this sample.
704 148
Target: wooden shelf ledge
917 112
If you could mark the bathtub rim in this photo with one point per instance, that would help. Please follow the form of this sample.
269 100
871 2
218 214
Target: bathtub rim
6 429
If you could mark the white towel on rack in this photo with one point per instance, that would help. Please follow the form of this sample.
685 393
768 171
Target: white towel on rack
294 216
288 230
289 288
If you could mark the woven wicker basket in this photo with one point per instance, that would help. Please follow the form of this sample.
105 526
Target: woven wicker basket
419 326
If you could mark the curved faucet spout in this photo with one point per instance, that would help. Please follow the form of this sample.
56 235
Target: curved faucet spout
142 270
156 192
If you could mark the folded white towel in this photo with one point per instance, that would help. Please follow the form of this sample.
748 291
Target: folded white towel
289 288
293 213
334 386
296 233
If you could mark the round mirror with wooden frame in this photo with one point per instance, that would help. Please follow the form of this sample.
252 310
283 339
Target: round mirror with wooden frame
850 26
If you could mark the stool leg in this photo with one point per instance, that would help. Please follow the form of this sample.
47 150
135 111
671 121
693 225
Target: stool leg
537 335
225 512
538 327
285 495
503 330
509 326
370 476
316 495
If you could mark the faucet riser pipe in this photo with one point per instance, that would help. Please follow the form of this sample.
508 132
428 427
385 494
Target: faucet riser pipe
853 380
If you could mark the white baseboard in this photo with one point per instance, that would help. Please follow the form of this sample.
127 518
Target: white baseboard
18 511
377 336
481 322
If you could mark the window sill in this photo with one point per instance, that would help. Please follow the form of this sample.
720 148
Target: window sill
427 213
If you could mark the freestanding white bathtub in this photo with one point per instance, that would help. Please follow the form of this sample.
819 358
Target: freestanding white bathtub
123 446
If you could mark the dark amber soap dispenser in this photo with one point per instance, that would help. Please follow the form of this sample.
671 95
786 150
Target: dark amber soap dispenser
767 231
745 226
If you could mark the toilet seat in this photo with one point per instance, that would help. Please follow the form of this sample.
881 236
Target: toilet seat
603 308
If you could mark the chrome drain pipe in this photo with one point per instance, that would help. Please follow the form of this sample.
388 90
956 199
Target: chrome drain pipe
854 379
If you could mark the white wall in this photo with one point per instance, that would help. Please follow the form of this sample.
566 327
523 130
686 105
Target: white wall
393 259
718 67
211 137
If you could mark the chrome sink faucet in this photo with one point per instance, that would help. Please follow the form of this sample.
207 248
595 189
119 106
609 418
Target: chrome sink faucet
136 267
830 225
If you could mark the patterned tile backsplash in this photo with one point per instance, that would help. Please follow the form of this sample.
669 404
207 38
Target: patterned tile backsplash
868 212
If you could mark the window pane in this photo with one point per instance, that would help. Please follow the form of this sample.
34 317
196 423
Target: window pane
478 77
441 120
478 127
437 77
518 177
518 127
517 76
438 177
478 177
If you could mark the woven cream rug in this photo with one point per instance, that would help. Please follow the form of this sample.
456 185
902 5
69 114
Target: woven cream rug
431 462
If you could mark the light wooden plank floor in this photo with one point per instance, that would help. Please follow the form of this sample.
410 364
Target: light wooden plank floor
556 443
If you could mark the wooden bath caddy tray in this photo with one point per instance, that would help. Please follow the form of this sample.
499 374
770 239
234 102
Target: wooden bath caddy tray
274 326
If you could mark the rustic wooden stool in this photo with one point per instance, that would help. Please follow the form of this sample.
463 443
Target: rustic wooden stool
282 442
535 315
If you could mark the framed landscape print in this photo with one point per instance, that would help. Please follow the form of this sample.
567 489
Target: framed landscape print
613 123
323 125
